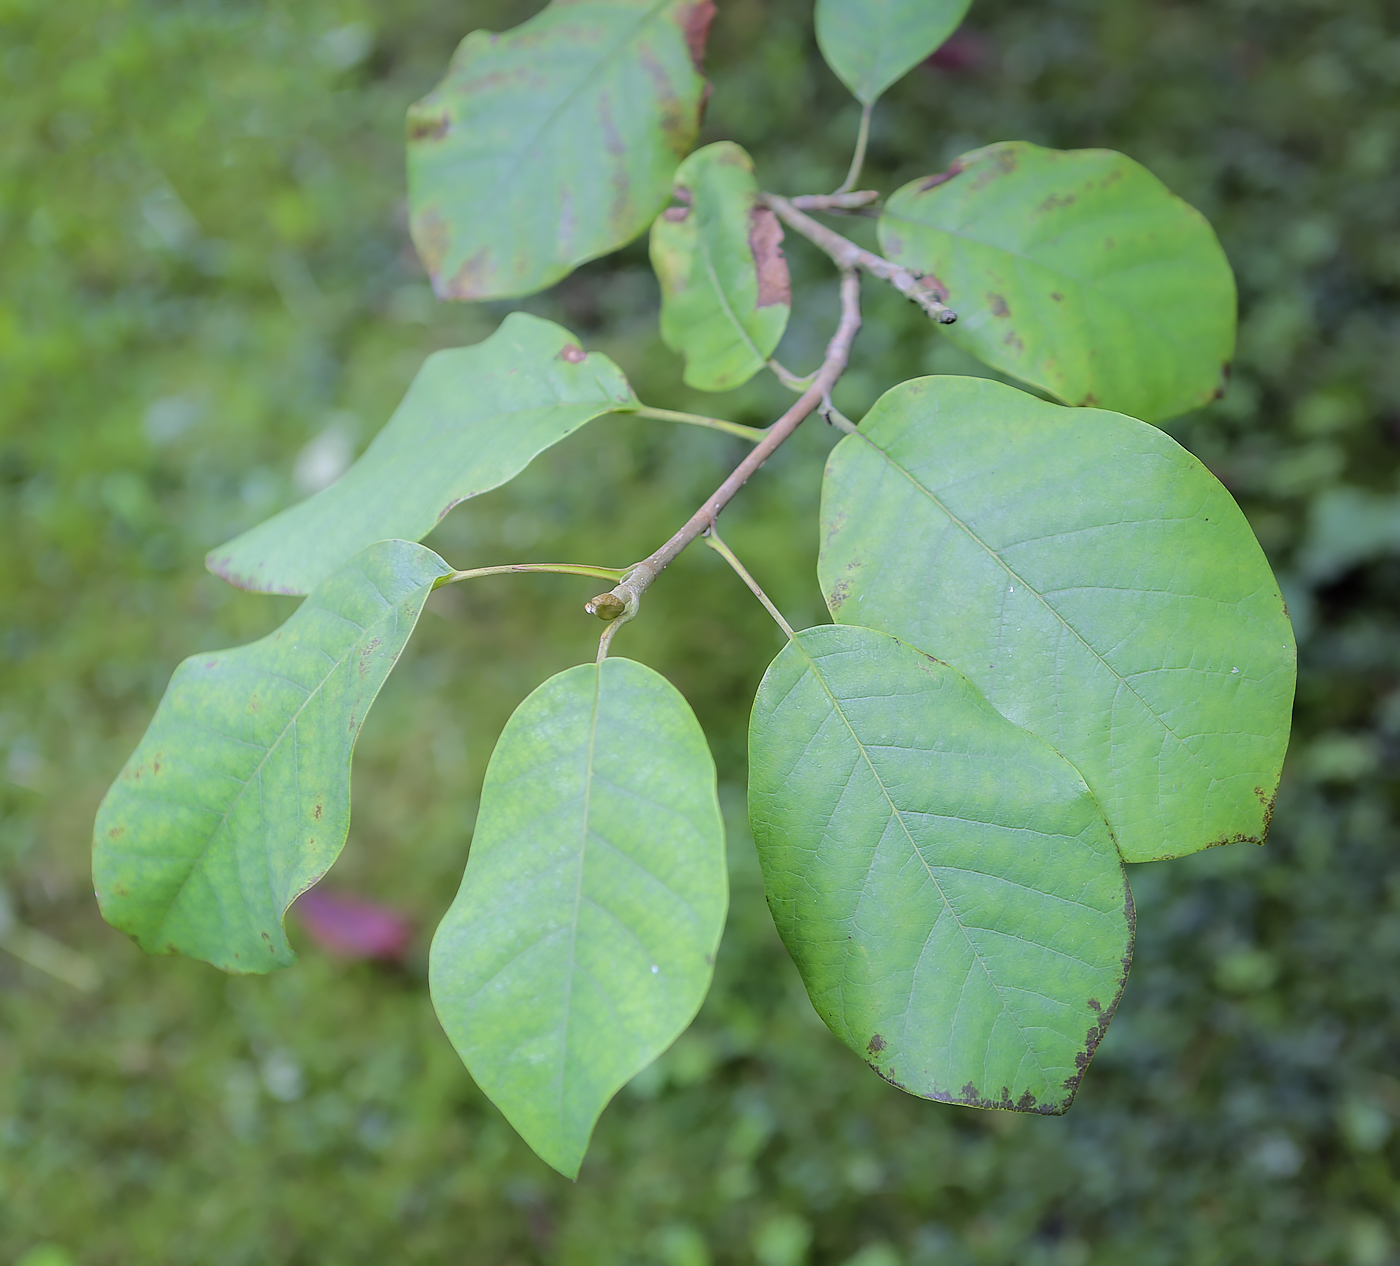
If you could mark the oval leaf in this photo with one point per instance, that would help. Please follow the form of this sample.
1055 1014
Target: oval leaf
1077 271
237 799
473 419
1093 580
553 143
725 291
580 944
944 880
872 43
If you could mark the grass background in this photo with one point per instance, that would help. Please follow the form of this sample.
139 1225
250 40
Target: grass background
206 286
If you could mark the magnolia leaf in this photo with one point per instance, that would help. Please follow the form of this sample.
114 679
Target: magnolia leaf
553 143
872 43
1092 579
581 942
944 880
473 419
237 799
1076 271
725 292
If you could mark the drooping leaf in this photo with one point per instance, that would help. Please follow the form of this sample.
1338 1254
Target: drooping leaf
1077 271
1092 579
872 43
725 292
473 419
238 797
944 880
580 944
553 143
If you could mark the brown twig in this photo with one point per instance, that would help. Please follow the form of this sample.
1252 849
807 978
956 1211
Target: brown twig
835 201
848 255
640 577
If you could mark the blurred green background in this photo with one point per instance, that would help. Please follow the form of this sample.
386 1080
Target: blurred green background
208 303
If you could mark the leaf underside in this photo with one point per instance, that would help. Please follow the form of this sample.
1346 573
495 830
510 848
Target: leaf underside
1092 579
553 143
725 291
872 43
582 940
238 797
1076 271
472 419
944 880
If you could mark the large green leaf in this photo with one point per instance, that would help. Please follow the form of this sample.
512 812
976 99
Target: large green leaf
237 799
580 944
473 418
553 143
725 293
944 880
1077 271
872 43
1094 581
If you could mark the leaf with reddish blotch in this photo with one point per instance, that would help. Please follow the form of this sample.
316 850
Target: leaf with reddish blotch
725 292
553 143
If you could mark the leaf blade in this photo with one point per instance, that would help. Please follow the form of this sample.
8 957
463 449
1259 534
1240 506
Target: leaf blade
872 43
914 845
473 419
725 290
187 855
553 143
1076 271
580 944
1092 579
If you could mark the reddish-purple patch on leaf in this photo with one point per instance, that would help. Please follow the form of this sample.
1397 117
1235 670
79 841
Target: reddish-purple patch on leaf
349 927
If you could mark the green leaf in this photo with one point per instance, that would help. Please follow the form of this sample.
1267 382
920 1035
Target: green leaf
1093 580
473 419
1077 271
944 880
725 291
872 43
580 944
553 143
237 799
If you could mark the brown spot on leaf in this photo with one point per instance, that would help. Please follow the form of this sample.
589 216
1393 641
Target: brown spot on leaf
1057 296
117 831
887 1074
572 353
423 126
472 280
1090 399
765 244
1055 201
954 168
695 22
316 812
838 595
876 1045
675 215
998 306
1013 341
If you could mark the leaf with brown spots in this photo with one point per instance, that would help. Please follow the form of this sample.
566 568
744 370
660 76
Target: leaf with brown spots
1114 288
245 809
944 880
725 292
553 143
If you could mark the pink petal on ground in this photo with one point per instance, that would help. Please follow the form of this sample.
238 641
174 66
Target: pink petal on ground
351 928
